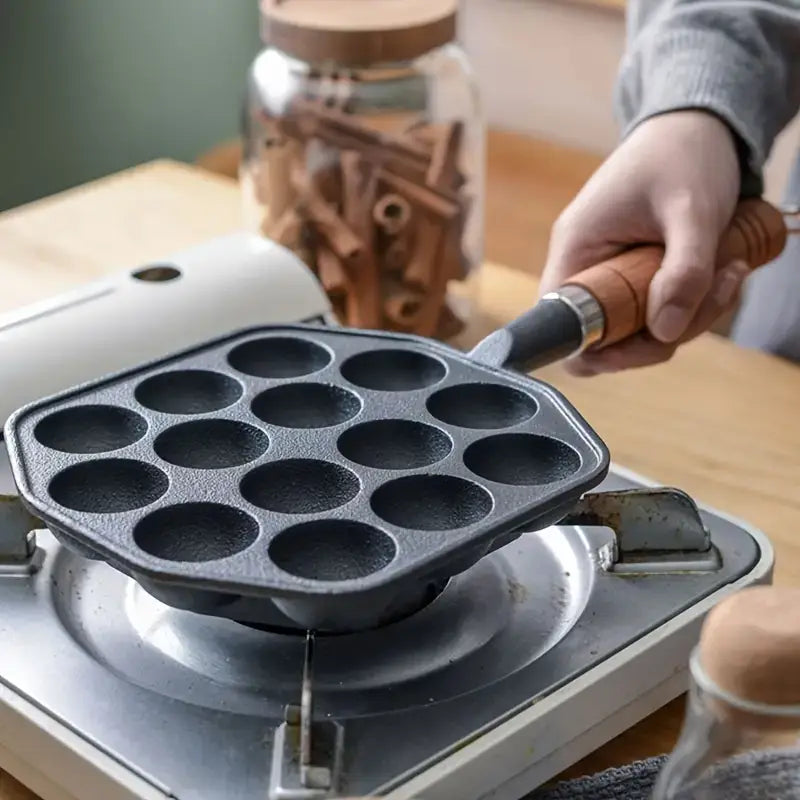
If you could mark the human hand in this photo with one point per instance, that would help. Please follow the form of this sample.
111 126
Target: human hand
676 181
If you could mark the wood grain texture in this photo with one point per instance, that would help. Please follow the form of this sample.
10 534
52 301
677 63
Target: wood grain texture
347 32
718 422
11 789
757 235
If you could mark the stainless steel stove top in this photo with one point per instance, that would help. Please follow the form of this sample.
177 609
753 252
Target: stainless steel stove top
192 704
538 654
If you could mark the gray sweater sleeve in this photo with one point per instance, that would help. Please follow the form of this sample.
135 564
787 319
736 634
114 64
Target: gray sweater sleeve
737 59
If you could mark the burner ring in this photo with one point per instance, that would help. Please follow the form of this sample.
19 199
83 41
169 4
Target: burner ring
401 610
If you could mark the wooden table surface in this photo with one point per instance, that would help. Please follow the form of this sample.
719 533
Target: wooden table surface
718 422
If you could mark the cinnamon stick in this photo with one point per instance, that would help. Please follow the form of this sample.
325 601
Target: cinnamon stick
421 269
443 169
396 257
327 182
392 214
323 215
308 121
435 298
331 273
314 117
359 186
284 231
431 200
402 307
358 194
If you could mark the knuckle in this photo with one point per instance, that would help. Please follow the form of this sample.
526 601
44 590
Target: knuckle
690 280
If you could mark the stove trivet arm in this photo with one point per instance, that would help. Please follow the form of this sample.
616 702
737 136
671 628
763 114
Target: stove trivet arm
656 530
306 718
306 754
17 536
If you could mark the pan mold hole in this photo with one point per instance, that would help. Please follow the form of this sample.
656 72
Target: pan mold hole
211 444
522 459
431 502
192 391
332 550
90 429
306 405
393 370
108 486
195 532
279 357
395 444
299 486
482 405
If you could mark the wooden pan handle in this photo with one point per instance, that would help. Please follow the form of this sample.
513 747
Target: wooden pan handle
757 234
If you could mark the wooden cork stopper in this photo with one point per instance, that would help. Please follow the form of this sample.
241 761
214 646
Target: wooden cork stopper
358 32
750 645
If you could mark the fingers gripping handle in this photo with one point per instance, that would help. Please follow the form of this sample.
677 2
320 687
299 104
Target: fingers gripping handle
757 234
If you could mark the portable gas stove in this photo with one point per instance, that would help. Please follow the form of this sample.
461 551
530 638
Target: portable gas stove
518 667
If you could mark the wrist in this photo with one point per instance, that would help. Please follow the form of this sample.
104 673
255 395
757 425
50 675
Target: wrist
749 180
690 70
708 124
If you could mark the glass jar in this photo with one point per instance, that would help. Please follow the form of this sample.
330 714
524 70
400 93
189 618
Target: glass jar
741 734
364 153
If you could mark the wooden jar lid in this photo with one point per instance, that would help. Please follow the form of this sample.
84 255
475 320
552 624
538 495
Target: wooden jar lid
750 645
358 32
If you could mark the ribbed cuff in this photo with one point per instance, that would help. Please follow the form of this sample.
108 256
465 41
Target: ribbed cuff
694 69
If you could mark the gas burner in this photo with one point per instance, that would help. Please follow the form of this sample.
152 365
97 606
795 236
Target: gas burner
397 613
523 663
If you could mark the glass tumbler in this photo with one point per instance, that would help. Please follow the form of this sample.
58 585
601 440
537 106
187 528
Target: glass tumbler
741 733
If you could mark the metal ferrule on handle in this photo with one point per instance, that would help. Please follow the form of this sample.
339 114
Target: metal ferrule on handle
586 308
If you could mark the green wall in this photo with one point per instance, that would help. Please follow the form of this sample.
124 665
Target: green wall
89 87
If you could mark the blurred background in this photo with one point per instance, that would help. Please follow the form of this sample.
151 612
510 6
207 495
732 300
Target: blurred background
89 87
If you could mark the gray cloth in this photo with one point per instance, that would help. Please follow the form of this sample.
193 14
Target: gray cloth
740 60
737 59
768 775
769 316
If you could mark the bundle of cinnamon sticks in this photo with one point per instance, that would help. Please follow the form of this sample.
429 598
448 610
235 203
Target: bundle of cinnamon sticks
378 216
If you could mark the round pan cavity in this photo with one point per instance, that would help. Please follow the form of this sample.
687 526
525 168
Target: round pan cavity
431 502
108 486
393 370
90 429
195 532
192 391
482 405
522 459
306 405
279 357
299 486
395 444
211 444
332 550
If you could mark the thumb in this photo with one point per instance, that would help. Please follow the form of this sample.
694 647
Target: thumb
684 279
